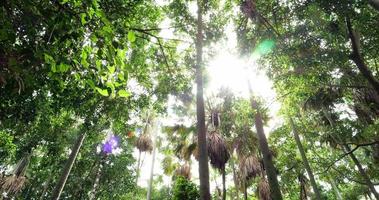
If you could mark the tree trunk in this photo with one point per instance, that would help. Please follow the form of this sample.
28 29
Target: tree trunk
67 169
245 190
235 178
223 184
358 59
152 167
92 194
267 157
346 149
203 153
305 161
138 166
362 172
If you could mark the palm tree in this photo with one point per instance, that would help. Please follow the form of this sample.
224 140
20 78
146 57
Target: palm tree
202 139
218 155
143 144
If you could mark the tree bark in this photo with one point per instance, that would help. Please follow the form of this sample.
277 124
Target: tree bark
223 184
152 166
358 59
235 178
267 157
305 161
203 153
138 166
92 194
245 190
67 169
362 172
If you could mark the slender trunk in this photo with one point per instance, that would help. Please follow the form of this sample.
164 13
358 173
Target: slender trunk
245 190
152 167
346 149
267 157
235 178
305 161
362 172
138 166
223 184
67 169
335 188
203 155
92 194
358 59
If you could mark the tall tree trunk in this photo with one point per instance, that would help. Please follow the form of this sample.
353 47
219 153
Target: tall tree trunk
223 184
358 59
92 194
203 153
235 178
152 165
335 188
67 169
305 161
362 172
347 150
267 157
138 166
245 189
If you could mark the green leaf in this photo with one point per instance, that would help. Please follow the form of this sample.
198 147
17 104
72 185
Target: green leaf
91 83
123 93
103 92
83 18
63 67
121 76
131 36
112 69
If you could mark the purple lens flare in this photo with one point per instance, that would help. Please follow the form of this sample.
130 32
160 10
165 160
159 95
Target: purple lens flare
111 144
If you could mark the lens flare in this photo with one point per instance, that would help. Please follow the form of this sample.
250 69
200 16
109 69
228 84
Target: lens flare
111 144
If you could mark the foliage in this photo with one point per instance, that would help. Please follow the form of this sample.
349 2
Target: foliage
185 189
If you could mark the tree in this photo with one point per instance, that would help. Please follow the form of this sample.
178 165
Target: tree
305 160
185 189
202 138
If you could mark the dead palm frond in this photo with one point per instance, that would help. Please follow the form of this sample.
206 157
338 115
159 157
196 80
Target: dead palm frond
184 171
250 167
144 143
217 150
15 182
303 187
264 189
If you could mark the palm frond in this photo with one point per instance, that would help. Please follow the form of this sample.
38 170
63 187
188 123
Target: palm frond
217 150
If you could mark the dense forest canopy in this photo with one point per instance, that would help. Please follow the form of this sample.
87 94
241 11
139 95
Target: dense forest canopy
189 99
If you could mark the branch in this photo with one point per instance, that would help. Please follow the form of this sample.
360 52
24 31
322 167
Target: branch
351 179
158 37
347 153
358 58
